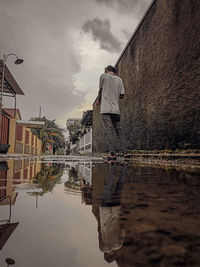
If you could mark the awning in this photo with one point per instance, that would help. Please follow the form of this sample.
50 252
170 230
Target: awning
10 85
32 124
5 232
87 118
12 112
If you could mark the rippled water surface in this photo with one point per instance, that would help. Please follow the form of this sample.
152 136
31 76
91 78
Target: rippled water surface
70 213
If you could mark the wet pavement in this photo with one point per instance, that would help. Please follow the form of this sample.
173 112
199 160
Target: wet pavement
58 212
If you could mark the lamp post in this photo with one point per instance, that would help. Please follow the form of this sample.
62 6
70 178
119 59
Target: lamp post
9 261
4 60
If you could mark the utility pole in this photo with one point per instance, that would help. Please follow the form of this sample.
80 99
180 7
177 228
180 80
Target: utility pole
40 112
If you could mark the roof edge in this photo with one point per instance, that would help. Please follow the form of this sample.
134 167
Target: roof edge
135 32
11 80
132 36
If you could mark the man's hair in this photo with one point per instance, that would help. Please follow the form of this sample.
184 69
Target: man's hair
110 68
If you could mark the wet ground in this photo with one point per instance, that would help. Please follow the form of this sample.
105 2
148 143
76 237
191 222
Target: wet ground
58 212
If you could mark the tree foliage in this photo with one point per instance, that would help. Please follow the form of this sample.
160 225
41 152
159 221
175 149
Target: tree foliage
47 178
50 133
74 130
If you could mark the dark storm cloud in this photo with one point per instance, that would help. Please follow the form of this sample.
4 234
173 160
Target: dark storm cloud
46 35
126 6
101 31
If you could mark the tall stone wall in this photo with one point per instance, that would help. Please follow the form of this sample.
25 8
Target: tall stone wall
160 68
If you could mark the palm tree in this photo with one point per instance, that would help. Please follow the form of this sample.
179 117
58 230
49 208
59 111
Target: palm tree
74 131
47 178
49 134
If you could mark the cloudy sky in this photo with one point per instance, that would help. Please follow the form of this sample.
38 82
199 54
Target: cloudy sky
65 45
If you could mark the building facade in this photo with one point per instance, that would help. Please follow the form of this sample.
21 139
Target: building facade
85 141
18 136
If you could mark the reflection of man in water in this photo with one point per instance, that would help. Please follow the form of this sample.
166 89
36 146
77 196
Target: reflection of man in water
105 197
111 236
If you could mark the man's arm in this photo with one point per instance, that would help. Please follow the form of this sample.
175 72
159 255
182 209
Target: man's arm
122 91
100 90
99 97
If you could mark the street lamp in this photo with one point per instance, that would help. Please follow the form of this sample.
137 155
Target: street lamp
4 60
10 261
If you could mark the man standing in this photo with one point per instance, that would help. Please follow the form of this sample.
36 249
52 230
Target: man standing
111 89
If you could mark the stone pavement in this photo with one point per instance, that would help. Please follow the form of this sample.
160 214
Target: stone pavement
168 159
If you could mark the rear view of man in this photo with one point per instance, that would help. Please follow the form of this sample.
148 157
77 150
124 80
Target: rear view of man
111 89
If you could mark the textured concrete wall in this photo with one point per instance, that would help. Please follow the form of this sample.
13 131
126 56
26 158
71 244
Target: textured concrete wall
161 73
98 144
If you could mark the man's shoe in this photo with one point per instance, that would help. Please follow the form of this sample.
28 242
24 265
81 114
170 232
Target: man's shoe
125 155
111 156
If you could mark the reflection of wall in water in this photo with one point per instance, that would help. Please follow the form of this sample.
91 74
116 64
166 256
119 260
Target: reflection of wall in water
157 206
3 176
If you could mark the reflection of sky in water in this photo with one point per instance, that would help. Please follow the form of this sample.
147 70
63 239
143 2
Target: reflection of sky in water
55 232
60 232
87 212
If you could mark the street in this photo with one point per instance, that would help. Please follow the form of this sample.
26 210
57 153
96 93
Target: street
86 212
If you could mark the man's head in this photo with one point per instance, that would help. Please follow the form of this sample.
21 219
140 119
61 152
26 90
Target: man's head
110 69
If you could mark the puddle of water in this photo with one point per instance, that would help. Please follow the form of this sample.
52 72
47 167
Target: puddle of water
74 213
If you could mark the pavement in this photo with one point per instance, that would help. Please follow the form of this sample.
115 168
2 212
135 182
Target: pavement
168 159
16 156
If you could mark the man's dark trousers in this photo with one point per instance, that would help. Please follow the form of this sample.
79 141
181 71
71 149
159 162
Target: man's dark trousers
111 122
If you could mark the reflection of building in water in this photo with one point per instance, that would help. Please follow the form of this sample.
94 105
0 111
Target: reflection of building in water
24 170
13 173
5 232
85 172
7 194
74 183
7 197
79 175
6 227
158 218
3 179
